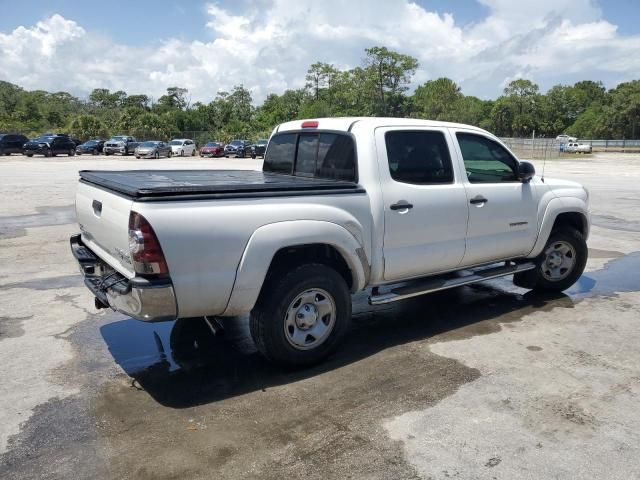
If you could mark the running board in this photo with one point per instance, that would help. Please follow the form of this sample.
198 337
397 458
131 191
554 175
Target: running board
435 284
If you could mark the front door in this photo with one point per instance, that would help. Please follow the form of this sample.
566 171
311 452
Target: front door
425 208
502 209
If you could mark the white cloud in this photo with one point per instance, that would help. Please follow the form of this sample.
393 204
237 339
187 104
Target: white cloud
549 41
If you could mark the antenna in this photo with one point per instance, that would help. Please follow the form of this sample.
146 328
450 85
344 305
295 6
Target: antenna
544 162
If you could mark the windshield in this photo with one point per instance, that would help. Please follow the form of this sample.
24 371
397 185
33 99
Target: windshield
263 141
212 144
91 142
175 142
119 138
236 142
44 139
149 144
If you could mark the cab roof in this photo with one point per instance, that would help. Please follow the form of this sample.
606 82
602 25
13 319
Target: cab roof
348 123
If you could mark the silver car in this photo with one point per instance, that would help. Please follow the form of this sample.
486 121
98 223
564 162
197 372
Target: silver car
153 149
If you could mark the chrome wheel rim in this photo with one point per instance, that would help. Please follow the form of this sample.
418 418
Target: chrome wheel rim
310 319
559 260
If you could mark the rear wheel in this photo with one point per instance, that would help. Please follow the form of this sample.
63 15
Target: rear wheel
560 264
193 152
71 153
94 151
301 315
156 155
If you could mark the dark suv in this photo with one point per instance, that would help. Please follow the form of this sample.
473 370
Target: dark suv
239 148
11 143
50 145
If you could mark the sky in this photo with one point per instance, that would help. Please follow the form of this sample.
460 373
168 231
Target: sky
143 46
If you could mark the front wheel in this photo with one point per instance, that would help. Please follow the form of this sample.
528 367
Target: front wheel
301 315
71 153
560 264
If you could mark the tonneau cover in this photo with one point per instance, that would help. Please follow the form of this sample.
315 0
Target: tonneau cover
155 184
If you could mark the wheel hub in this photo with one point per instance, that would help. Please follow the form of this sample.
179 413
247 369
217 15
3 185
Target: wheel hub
306 316
555 259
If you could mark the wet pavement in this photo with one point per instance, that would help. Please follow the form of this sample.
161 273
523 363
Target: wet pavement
486 381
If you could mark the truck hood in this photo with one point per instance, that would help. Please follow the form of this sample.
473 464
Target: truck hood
566 188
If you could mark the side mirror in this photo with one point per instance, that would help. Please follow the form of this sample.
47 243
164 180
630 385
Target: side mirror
526 171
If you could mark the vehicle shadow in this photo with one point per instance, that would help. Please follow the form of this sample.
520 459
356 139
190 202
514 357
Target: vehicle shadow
183 364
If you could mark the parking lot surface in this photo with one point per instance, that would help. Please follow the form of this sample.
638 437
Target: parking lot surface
487 381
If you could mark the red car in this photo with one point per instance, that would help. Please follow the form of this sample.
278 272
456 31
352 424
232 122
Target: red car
212 149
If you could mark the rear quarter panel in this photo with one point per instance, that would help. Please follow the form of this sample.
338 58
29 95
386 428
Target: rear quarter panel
204 240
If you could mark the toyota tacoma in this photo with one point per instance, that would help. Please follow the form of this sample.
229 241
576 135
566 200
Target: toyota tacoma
396 207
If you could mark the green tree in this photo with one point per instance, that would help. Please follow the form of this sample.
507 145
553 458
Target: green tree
86 127
390 74
438 100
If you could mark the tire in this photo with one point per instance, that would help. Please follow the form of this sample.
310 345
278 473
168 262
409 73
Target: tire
48 153
138 157
253 156
182 153
169 154
94 151
277 302
107 153
71 153
126 152
542 277
193 152
156 155
29 155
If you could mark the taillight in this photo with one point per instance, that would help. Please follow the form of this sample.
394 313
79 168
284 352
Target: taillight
145 249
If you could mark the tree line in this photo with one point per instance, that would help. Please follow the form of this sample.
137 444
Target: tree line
378 87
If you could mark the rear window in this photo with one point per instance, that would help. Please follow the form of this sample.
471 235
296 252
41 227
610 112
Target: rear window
322 155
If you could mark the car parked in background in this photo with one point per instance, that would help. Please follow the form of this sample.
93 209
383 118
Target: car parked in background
259 148
50 145
12 143
93 147
153 149
212 149
183 147
565 138
575 147
239 148
122 144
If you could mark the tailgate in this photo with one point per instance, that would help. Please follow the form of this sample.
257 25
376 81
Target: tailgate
104 222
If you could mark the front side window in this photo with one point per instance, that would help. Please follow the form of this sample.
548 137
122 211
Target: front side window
485 160
419 157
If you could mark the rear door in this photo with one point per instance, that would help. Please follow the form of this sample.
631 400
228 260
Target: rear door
502 209
425 206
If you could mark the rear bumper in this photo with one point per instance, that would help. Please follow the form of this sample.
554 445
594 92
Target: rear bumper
142 299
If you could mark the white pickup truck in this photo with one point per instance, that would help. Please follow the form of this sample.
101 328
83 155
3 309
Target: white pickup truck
400 207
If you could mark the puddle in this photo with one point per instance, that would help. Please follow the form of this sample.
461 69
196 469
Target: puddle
617 276
14 226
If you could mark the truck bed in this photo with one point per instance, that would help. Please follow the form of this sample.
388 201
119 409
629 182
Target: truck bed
162 185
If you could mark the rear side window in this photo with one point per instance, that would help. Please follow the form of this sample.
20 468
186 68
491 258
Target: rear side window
321 155
419 157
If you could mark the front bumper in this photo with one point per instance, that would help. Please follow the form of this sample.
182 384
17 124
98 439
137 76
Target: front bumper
142 299
36 150
114 149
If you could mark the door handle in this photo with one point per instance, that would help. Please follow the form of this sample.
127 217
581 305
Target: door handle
401 206
478 199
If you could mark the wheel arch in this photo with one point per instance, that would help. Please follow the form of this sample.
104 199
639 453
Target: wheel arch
282 245
563 211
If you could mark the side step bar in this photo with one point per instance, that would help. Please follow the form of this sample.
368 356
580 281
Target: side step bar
434 284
